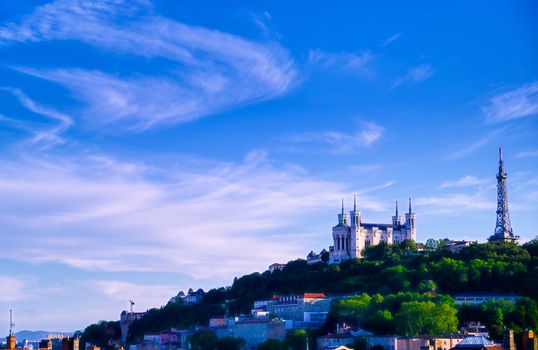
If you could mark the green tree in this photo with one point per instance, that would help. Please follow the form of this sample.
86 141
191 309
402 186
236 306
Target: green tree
359 343
451 274
379 322
296 340
203 341
425 317
272 344
427 286
100 333
230 343
353 309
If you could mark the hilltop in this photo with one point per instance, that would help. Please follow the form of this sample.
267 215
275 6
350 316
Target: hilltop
391 274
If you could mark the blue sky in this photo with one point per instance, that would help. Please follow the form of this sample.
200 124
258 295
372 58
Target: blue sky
153 146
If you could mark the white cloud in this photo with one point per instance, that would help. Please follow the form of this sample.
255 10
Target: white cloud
15 288
454 204
347 62
391 39
336 142
514 104
214 71
415 76
46 137
214 221
474 146
465 181
145 296
528 153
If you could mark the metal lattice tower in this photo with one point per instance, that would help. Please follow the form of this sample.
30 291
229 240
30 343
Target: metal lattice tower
503 228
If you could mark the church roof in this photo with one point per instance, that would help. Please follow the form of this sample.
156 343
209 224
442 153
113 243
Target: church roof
370 225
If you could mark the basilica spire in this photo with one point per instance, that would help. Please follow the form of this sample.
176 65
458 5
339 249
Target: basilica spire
354 203
410 211
396 208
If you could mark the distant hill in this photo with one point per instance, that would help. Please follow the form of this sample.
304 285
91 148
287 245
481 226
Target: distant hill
36 335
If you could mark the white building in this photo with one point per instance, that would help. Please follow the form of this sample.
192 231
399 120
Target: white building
351 237
480 298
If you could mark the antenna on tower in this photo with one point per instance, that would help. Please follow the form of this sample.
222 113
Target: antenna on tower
132 304
11 324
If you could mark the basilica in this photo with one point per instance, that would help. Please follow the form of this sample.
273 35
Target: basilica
350 237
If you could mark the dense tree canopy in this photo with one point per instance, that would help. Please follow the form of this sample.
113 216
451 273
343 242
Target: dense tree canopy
100 333
388 276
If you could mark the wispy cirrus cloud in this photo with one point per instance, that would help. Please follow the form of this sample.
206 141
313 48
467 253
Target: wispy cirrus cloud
474 146
15 288
513 104
147 296
415 75
528 153
336 142
343 61
391 39
455 204
205 71
468 180
43 135
170 217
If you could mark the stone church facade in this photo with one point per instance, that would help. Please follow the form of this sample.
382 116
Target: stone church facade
351 235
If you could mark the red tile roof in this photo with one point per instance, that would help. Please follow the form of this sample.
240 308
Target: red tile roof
314 295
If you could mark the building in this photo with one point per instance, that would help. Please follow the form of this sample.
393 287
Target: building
385 342
509 342
308 310
334 340
276 266
313 258
45 344
70 343
530 341
193 297
391 342
477 343
350 237
336 347
256 331
503 228
444 342
126 318
475 329
479 298
174 338
11 341
457 246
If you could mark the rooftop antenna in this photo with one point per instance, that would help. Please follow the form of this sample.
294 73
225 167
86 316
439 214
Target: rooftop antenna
132 304
11 324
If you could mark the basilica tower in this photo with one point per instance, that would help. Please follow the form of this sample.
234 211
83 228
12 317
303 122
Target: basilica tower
410 224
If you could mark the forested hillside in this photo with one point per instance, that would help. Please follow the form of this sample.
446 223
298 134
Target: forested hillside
387 279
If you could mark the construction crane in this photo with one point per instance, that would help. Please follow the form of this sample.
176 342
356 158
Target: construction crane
132 305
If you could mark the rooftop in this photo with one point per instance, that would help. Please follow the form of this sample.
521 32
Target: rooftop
471 342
